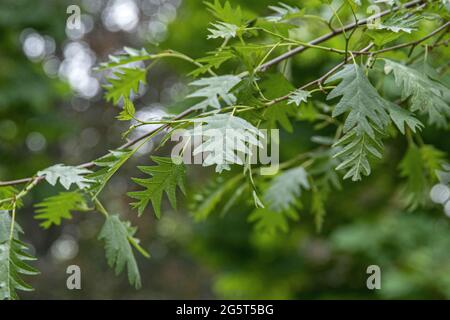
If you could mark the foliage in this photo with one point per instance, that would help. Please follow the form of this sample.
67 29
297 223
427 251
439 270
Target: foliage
66 175
13 259
53 209
338 100
119 237
166 176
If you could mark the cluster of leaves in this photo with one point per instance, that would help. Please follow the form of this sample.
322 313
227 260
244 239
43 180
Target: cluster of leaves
228 112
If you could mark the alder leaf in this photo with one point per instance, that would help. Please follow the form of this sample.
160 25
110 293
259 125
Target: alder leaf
285 189
213 60
53 209
119 237
227 140
402 117
9 192
128 57
399 22
355 149
124 83
226 12
271 222
426 95
214 88
109 165
222 30
208 200
128 111
13 259
165 177
299 96
283 13
417 187
367 109
67 175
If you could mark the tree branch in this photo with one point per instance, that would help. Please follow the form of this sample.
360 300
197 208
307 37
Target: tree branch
262 68
334 33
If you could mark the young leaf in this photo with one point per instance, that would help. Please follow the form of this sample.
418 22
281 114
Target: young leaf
426 95
130 56
13 259
67 175
119 237
226 13
212 61
417 187
227 140
53 209
166 176
124 83
269 221
223 30
128 110
433 160
109 165
400 22
9 193
213 89
299 96
283 13
285 189
208 200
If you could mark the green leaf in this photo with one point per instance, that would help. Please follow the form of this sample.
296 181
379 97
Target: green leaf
399 22
355 149
417 186
401 117
275 86
53 209
226 13
13 260
299 96
285 189
213 89
119 237
318 207
426 95
67 175
226 140
109 165
208 199
367 109
271 222
128 111
212 61
284 13
433 160
9 193
367 119
166 176
222 30
124 83
129 56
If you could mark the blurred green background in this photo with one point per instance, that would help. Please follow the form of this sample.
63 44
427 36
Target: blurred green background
52 111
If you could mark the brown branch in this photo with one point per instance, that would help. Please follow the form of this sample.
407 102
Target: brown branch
91 163
334 33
